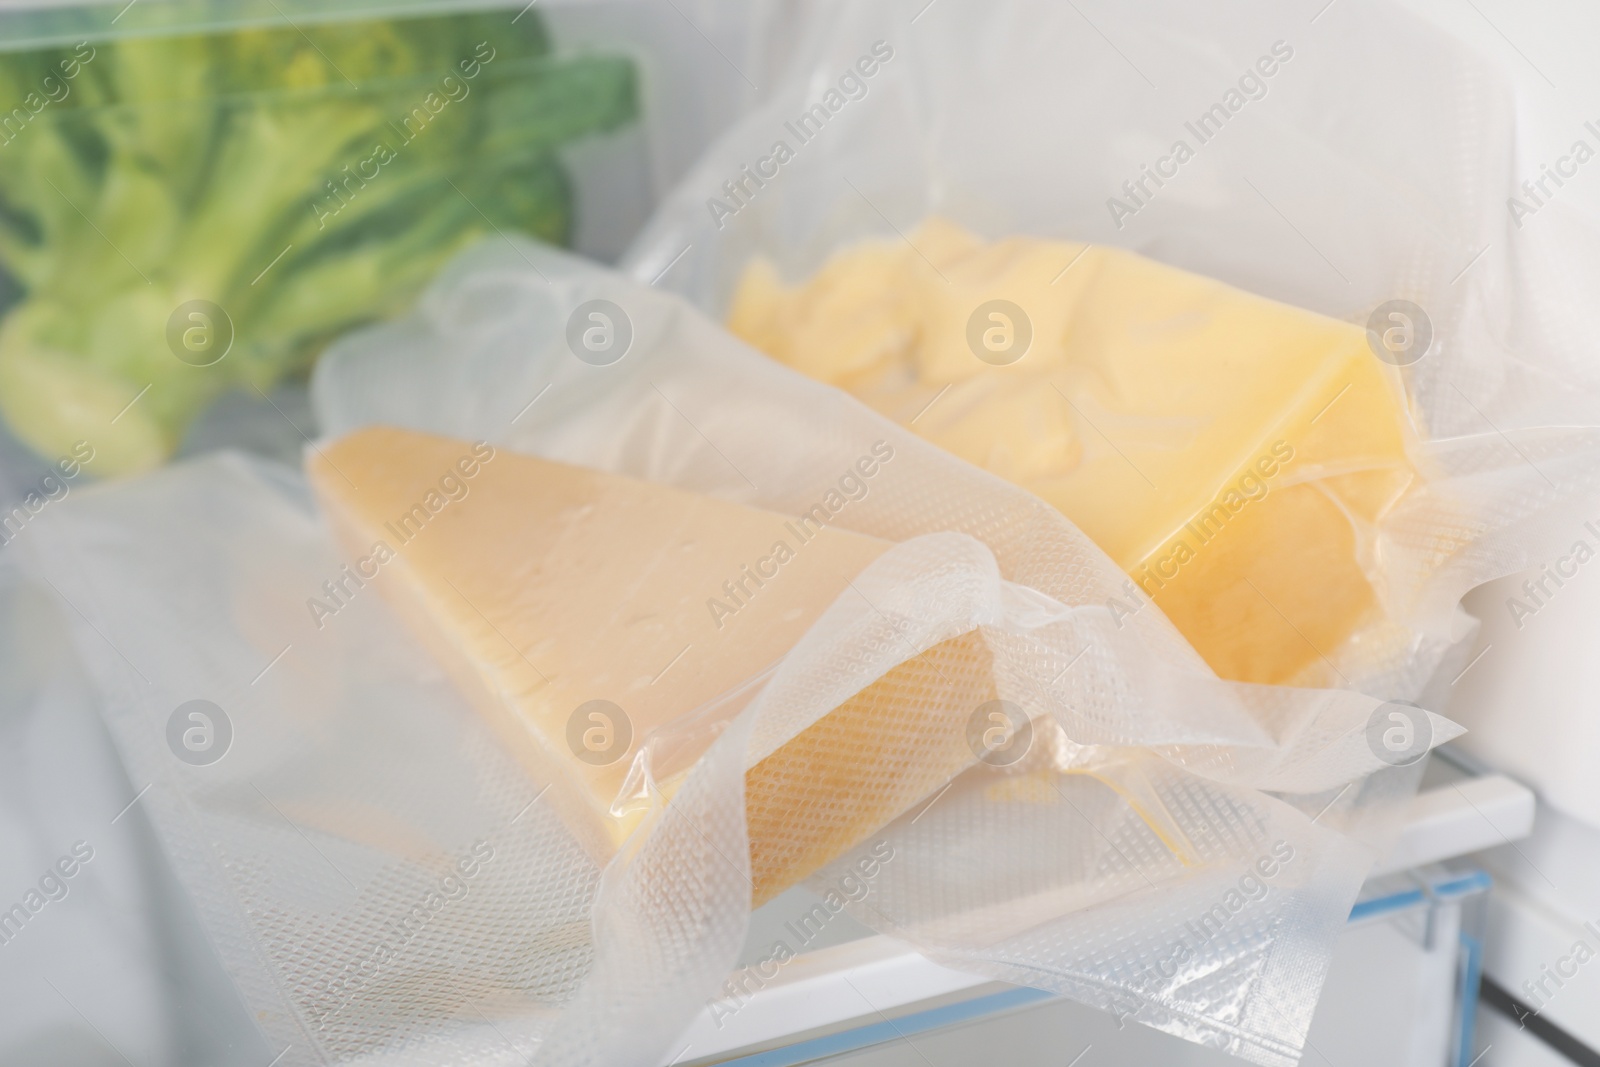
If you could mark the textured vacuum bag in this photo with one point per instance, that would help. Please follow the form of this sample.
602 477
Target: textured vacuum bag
1149 788
386 882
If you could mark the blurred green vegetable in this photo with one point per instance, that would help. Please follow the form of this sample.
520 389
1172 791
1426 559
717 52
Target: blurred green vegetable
302 180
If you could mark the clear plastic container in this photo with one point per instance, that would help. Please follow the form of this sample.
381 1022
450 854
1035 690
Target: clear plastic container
195 196
193 201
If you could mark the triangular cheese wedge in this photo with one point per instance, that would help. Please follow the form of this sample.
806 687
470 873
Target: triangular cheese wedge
555 595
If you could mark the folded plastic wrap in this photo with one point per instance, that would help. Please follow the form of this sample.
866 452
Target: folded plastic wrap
387 885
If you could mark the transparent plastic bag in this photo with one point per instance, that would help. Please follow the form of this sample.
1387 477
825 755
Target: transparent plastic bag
1335 160
374 868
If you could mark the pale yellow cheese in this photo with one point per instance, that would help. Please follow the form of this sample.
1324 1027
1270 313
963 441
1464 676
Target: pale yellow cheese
542 587
1231 453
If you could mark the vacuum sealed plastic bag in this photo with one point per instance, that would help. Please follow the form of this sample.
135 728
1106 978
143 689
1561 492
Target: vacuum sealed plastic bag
916 173
390 874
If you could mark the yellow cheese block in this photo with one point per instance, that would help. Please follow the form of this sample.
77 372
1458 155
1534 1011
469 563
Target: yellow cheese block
1231 453
543 587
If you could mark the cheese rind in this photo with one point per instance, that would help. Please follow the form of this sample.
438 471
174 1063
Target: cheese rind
1231 453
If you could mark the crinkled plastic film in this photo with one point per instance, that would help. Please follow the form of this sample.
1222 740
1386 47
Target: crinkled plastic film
1175 848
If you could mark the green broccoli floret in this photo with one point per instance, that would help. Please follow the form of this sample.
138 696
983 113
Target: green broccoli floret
303 179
